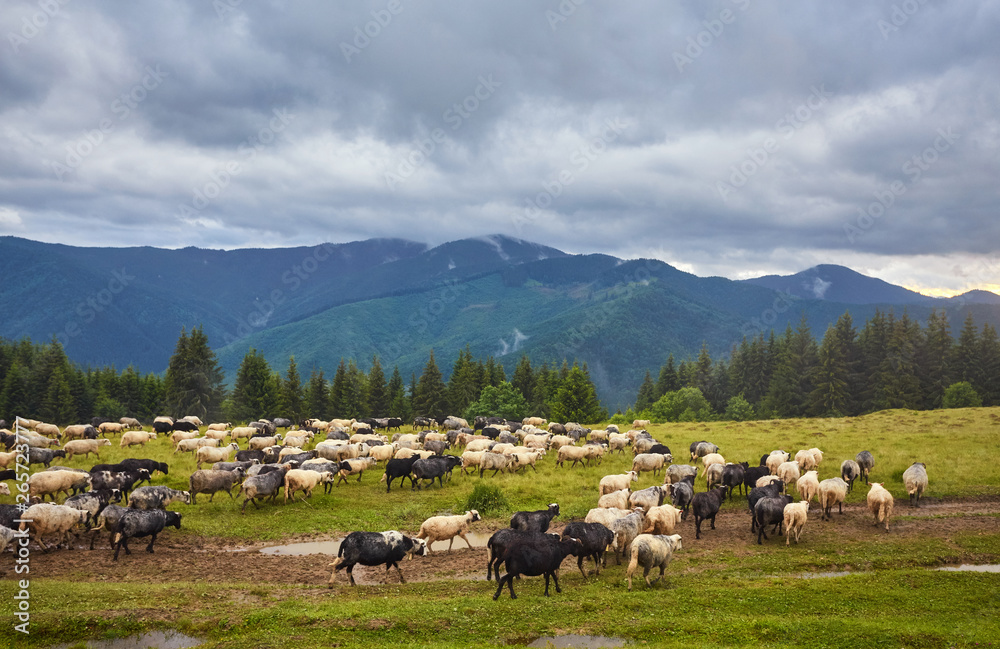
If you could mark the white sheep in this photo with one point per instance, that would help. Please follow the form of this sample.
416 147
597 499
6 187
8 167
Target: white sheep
788 472
880 504
47 518
606 515
662 520
651 551
713 475
526 459
618 442
84 447
574 453
471 459
915 481
242 432
832 491
178 435
648 462
795 516
616 482
381 453
51 483
441 528
260 443
306 480
765 480
617 499
594 452
774 460
712 458
212 455
133 437
807 486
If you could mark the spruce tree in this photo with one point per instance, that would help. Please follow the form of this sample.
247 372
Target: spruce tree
966 356
524 378
935 359
338 388
194 380
987 383
646 395
576 399
430 398
377 396
293 397
15 398
57 406
399 403
257 391
317 398
667 381
831 392
466 381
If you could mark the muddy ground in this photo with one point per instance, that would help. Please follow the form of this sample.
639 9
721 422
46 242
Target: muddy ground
184 558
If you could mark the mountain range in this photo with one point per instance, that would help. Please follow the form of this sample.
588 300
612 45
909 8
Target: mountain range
398 299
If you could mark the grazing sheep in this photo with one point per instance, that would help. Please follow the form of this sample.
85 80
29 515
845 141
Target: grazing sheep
354 466
733 475
495 461
261 486
610 483
526 459
48 518
776 459
617 499
651 551
534 521
765 480
111 428
157 497
832 491
80 431
880 504
446 528
648 462
533 556
213 480
177 436
788 472
138 523
133 437
795 516
606 515
574 453
618 442
84 447
701 449
648 498
304 479
706 505
682 493
625 530
212 455
866 462
676 472
662 520
915 481
806 460
51 483
769 511
712 458
713 475
849 472
808 485
594 451
49 430
260 443
375 549
594 538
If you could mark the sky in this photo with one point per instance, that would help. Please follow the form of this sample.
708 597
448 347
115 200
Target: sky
731 137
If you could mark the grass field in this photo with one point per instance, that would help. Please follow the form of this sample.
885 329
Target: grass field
722 590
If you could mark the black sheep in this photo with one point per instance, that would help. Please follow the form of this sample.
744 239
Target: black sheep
733 475
431 468
536 521
399 468
137 523
375 549
594 540
706 506
682 493
538 555
769 511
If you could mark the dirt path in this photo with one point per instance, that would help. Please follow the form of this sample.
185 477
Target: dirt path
188 558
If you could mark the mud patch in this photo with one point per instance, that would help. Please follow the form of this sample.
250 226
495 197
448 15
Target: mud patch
151 640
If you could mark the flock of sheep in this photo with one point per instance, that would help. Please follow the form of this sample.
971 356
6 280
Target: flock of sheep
633 525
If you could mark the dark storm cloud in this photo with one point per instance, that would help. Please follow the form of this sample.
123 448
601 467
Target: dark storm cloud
728 137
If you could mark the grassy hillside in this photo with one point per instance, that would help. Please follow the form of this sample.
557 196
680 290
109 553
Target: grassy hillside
722 590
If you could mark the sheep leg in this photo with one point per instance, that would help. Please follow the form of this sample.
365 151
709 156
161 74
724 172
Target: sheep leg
350 573
149 548
579 564
464 538
402 579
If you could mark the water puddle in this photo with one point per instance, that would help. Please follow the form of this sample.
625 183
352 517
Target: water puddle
478 540
579 641
151 640
821 575
972 568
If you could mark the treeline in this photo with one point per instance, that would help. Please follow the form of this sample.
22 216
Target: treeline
38 380
892 362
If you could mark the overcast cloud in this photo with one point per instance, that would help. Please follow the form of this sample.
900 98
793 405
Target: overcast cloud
732 138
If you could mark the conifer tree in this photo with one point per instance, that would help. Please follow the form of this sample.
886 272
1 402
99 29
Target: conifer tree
831 392
194 380
57 406
257 391
466 381
430 398
337 392
576 399
667 381
645 397
292 392
317 397
399 403
378 397
987 383
524 378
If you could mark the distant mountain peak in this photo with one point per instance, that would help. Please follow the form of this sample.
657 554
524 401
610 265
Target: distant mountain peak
835 283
